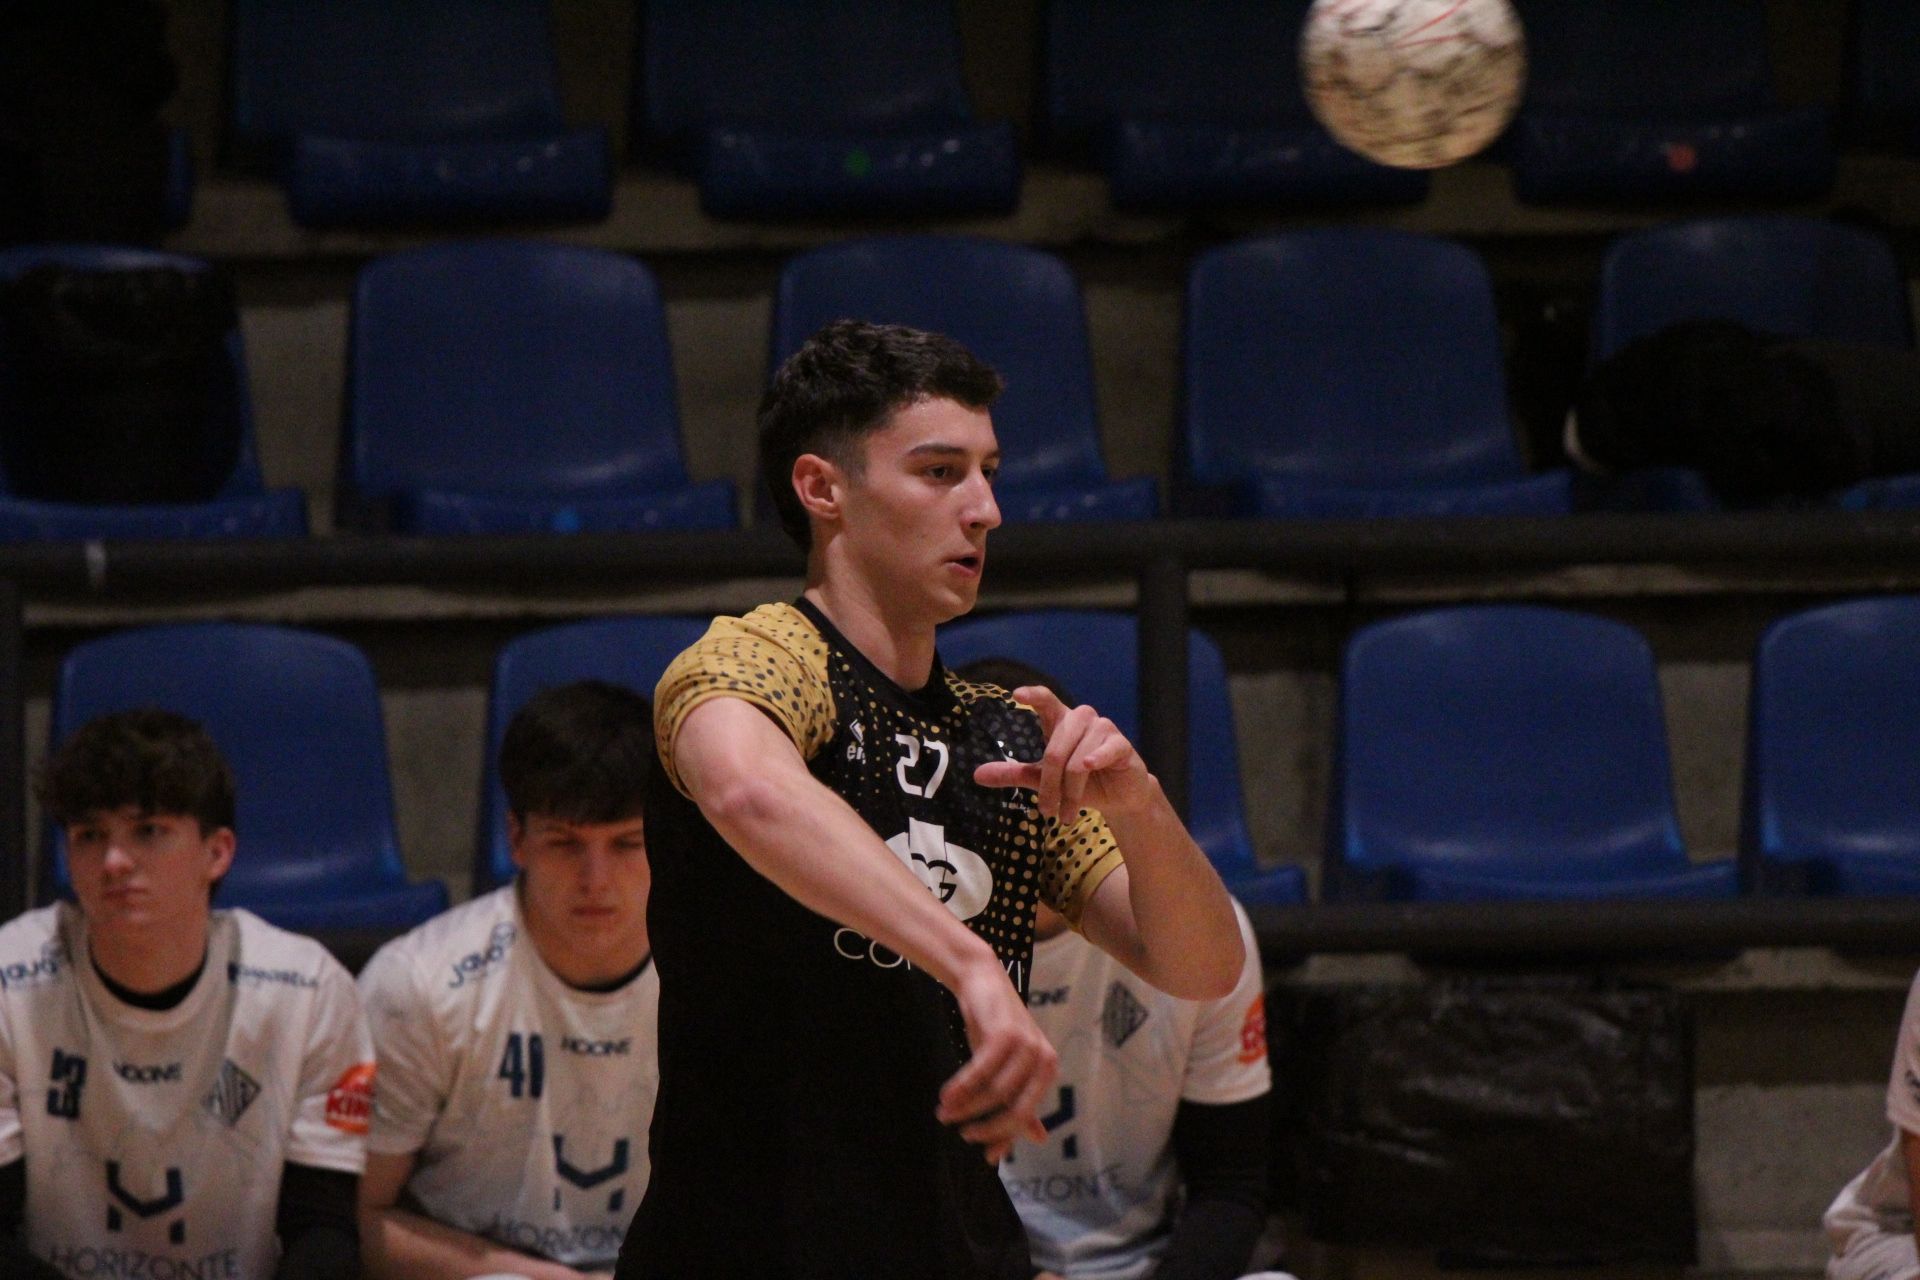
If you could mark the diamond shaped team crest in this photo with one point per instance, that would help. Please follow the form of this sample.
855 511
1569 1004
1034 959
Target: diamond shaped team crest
232 1093
1122 1015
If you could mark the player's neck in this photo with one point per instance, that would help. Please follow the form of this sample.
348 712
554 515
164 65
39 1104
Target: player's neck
587 967
151 958
901 647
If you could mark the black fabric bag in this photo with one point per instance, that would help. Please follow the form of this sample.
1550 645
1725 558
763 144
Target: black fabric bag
120 387
1490 1121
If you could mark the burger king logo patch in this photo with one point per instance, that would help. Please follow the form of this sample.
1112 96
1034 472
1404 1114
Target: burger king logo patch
350 1101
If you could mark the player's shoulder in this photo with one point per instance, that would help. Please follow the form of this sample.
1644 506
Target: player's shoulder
780 625
33 950
452 948
264 957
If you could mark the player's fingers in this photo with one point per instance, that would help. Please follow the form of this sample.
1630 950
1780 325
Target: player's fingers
1007 773
967 1093
1065 740
1045 703
1102 747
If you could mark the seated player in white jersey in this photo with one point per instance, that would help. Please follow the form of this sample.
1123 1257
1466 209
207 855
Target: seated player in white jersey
1870 1224
182 1090
515 1034
1155 1162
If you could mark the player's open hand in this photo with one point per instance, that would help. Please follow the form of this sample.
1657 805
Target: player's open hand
996 1097
1088 761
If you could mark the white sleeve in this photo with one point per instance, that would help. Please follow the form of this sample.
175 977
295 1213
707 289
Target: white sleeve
13 1143
414 1081
1228 1061
1903 1088
336 1078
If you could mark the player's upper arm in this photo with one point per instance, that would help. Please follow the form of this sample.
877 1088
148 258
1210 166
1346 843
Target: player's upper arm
336 1077
772 659
1227 1061
386 1177
410 1050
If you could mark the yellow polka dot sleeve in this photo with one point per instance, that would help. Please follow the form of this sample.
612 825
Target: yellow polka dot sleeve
773 658
1079 856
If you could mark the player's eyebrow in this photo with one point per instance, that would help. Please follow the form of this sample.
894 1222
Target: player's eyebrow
933 448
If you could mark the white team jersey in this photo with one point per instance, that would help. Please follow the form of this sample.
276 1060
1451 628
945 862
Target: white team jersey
154 1140
1098 1199
527 1101
1876 1201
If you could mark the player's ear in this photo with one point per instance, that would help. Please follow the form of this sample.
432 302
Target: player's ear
220 846
819 484
516 829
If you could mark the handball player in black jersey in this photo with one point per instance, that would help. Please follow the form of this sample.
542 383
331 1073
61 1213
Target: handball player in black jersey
848 843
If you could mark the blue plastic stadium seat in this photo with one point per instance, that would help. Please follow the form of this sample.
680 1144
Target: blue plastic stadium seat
1658 100
508 387
1018 309
382 112
1195 103
626 651
834 108
242 508
297 716
1349 372
1883 75
1095 656
1832 803
1792 276
1506 752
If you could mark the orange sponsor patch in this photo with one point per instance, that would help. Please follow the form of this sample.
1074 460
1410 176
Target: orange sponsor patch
1253 1031
350 1101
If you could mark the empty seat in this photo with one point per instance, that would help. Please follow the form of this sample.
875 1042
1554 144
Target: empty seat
1506 752
1016 308
241 505
1193 103
297 716
1883 75
1095 656
507 387
1657 100
1349 372
1832 792
1796 277
832 108
629 651
410 111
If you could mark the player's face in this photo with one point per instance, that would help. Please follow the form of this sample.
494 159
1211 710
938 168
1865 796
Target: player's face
133 870
918 511
583 882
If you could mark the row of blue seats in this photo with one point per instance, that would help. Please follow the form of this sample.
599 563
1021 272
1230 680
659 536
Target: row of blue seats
373 112
516 387
1495 752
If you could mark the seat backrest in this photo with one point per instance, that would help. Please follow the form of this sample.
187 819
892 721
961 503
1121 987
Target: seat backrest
824 67
509 367
1231 63
1647 59
1017 308
1796 277
1095 657
1362 356
1503 734
297 716
1883 73
627 651
390 70
1834 733
232 401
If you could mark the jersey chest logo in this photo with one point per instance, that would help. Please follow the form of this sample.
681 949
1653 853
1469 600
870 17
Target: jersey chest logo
957 876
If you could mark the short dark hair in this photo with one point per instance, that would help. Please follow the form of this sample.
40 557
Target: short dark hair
844 383
579 752
1011 674
157 761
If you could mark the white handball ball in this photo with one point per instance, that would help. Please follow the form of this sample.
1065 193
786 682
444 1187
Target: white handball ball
1413 83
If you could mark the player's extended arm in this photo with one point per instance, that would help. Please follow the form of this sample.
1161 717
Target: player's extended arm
396 1244
1222 1153
1164 914
319 1239
750 781
1910 1149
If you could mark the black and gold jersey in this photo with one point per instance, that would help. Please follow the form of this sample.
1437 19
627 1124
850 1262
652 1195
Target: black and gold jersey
801 1062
